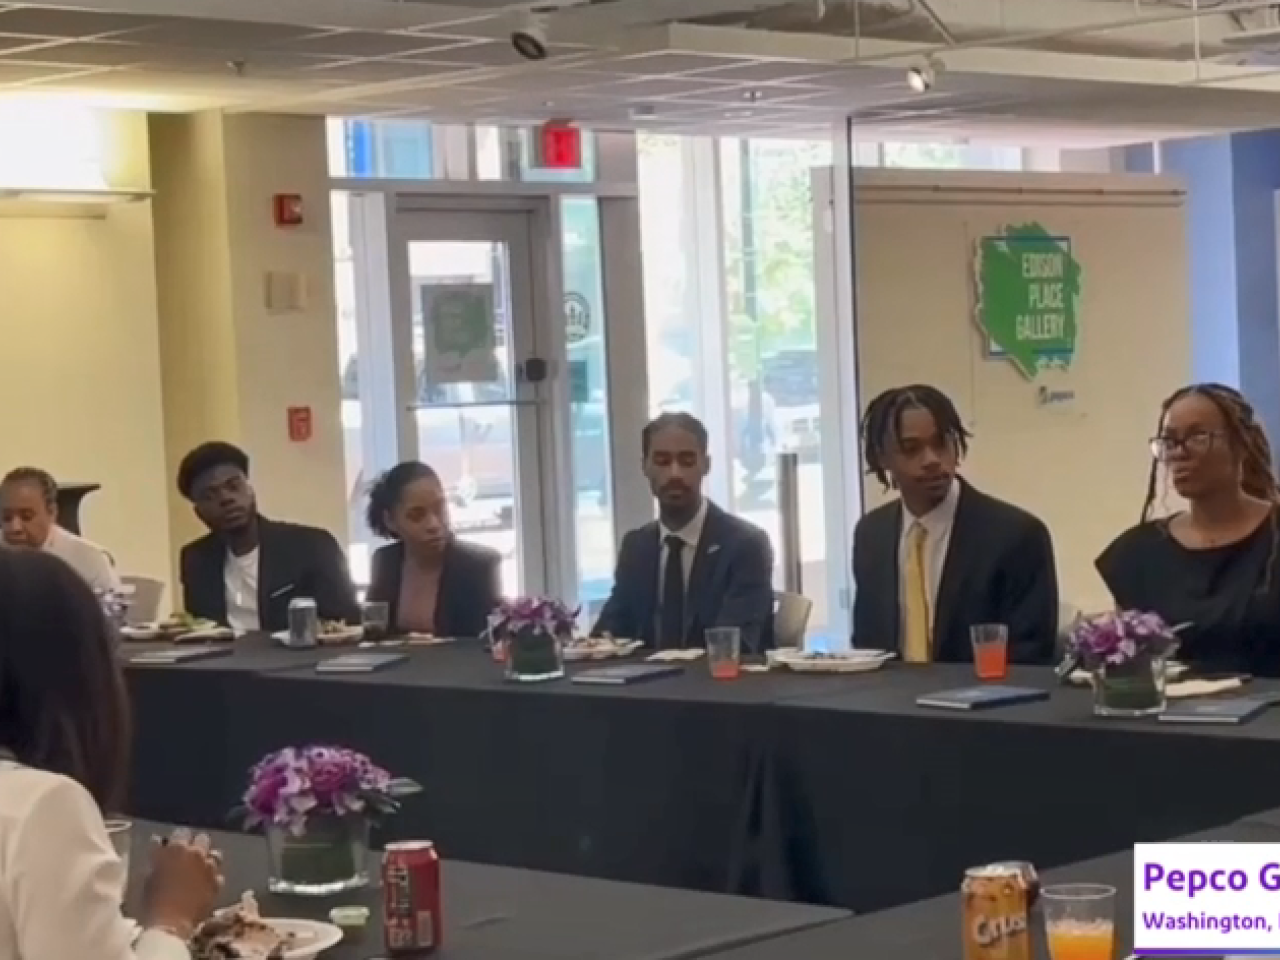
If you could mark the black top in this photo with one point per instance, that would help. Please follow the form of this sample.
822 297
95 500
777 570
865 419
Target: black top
730 584
999 569
470 586
293 561
1230 594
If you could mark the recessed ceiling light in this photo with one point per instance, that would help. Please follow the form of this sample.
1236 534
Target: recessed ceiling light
642 110
753 95
738 114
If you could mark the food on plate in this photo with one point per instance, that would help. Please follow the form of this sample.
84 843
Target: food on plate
595 648
176 624
239 933
336 631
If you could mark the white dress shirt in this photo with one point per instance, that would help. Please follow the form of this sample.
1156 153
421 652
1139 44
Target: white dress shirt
937 525
61 883
690 533
240 575
85 558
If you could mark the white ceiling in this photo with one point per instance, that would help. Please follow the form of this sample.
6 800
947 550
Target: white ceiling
1076 71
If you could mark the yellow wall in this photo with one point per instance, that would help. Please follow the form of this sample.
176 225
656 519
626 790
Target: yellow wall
232 367
1081 467
81 385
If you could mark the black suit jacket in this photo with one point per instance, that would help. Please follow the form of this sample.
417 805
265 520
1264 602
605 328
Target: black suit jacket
730 584
999 569
293 561
470 586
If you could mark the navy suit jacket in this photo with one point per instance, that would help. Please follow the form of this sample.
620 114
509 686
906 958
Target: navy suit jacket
730 584
293 561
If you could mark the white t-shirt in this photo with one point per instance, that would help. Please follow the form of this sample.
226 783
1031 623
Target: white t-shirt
61 883
240 574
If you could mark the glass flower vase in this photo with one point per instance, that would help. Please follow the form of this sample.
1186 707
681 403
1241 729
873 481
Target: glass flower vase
330 855
1135 688
532 655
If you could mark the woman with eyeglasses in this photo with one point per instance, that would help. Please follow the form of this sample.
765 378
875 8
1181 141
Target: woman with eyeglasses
1213 566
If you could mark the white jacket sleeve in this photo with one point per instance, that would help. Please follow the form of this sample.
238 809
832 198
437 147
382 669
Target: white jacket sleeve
64 884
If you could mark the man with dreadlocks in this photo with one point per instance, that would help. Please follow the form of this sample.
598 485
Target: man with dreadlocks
944 556
1211 567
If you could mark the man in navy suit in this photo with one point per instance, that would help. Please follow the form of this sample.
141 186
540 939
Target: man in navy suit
695 567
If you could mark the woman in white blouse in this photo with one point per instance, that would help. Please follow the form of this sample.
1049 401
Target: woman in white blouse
64 730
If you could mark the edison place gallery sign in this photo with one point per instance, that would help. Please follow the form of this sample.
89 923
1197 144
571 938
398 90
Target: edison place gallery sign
1028 297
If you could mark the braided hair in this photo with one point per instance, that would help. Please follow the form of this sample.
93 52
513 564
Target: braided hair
1248 438
882 424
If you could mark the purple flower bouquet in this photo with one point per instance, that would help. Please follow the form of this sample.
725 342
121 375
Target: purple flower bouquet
1125 651
528 633
315 805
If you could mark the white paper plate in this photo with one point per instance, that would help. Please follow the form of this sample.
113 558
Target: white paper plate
849 661
600 651
210 633
315 937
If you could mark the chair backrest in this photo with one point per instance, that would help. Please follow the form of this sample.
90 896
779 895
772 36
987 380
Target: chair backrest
144 600
790 618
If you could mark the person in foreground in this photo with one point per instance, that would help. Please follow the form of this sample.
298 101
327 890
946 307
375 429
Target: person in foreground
695 567
29 507
64 730
248 568
433 582
1211 569
944 556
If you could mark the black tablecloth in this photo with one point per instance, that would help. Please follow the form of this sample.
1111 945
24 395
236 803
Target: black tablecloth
930 930
498 913
821 789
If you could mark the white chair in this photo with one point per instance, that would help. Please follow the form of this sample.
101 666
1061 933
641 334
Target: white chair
144 601
790 619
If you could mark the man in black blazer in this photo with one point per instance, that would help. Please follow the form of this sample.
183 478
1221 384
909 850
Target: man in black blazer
944 556
246 570
695 567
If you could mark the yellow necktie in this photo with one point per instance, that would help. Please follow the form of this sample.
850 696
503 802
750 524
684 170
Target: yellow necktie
915 623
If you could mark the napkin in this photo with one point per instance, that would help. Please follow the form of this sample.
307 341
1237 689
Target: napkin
1201 688
755 668
675 656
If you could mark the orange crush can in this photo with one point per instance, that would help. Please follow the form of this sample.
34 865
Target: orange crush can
995 904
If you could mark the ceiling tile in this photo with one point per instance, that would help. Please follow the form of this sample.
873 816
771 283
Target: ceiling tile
68 24
351 44
379 71
26 72
776 71
655 88
89 53
666 63
219 34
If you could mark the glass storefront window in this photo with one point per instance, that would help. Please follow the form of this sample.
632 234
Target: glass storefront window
381 149
588 396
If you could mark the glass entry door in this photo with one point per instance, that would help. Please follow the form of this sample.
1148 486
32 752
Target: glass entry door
469 376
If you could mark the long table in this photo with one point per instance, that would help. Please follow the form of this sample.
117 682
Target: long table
819 789
500 913
930 930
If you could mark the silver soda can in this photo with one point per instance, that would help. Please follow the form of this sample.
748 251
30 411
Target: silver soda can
304 622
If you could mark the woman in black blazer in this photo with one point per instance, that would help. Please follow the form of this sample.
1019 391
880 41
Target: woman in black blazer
433 582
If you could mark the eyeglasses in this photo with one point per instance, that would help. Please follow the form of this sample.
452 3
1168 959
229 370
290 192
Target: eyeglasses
1196 443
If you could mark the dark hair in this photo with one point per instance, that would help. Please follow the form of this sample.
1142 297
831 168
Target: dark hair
678 419
882 423
41 479
63 706
207 456
384 493
1257 476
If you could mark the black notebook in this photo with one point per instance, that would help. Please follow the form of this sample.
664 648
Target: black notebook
981 698
1230 710
173 655
628 673
360 662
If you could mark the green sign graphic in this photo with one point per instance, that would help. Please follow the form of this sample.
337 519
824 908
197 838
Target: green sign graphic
1029 298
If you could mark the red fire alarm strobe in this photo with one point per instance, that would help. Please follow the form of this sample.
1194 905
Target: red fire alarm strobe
299 424
288 209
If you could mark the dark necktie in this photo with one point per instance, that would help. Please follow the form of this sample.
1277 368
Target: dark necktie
672 620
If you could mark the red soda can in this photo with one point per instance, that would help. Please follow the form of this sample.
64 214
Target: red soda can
411 899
